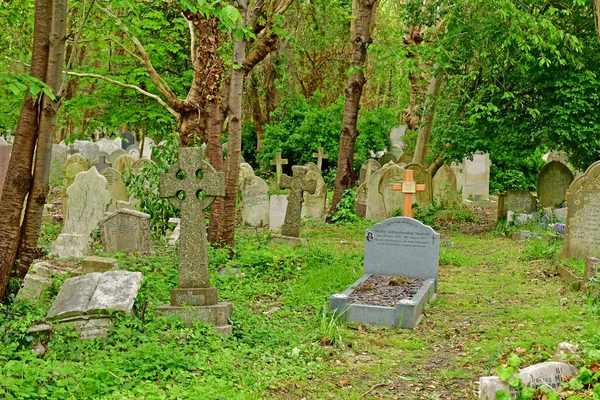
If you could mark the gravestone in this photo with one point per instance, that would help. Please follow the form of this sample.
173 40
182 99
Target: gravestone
311 166
88 200
520 201
549 374
367 169
89 150
107 146
559 156
191 185
176 231
444 183
278 204
460 175
313 207
133 151
582 234
477 177
391 200
127 139
279 162
397 247
126 231
360 200
375 207
299 184
59 156
123 162
89 300
116 187
74 165
396 151
386 158
92 264
320 156
102 163
147 148
4 160
246 171
38 278
112 157
552 184
140 164
421 177
396 135
255 201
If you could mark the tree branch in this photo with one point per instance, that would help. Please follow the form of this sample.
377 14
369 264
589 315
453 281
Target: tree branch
192 38
128 86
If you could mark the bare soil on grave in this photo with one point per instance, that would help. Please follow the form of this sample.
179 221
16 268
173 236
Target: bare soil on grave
382 290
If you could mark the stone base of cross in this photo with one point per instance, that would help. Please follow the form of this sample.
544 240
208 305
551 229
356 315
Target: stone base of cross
409 187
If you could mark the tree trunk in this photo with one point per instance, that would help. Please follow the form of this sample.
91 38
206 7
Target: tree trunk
427 123
597 16
18 180
257 114
344 178
215 157
271 94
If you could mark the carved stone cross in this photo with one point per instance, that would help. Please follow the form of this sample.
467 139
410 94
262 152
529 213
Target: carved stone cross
320 156
279 163
409 187
102 164
191 185
299 185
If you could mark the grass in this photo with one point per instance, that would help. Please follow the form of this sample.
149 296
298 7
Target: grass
495 295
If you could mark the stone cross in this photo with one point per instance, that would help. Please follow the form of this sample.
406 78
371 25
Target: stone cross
279 163
102 164
298 185
191 185
409 187
320 156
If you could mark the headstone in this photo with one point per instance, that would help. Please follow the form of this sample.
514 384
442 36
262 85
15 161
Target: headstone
396 151
107 146
477 177
582 235
191 185
59 156
299 184
102 164
460 175
116 154
552 184
313 207
387 157
37 279
279 162
176 231
277 207
549 374
147 148
375 207
246 171
116 187
559 156
126 231
391 200
73 166
123 162
520 201
4 160
444 183
127 139
255 201
134 151
422 177
367 169
360 200
88 200
311 166
89 150
140 164
397 247
320 156
396 135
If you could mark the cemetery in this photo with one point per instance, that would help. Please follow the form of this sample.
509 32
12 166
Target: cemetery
300 200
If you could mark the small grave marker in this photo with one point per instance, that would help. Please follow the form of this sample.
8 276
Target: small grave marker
320 156
298 185
279 162
409 187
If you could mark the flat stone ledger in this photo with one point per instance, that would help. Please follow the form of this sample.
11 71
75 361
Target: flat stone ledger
288 240
402 247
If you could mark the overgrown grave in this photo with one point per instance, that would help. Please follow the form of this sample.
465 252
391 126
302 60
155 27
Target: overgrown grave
400 275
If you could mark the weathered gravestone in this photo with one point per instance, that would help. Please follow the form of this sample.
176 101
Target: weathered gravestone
255 201
107 146
398 247
88 200
85 301
191 185
313 206
477 177
392 200
311 166
444 183
299 184
582 234
123 162
387 157
89 150
127 139
396 135
38 278
246 171
74 165
421 176
116 187
4 160
147 148
278 204
140 164
92 264
552 184
367 169
59 156
546 374
126 231
112 157
520 201
375 207
133 151
360 200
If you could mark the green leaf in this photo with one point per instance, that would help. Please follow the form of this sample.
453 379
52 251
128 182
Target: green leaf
513 360
504 372
502 395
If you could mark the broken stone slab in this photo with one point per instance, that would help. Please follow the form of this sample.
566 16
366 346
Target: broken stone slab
74 296
546 374
33 287
71 245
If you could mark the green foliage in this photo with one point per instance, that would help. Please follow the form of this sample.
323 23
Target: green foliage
346 212
539 249
328 329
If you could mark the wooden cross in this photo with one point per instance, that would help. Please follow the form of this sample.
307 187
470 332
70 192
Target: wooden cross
191 185
299 185
102 164
409 187
279 162
320 156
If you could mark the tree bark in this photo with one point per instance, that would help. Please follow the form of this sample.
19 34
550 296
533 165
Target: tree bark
597 16
427 120
43 154
345 176
214 151
257 114
18 180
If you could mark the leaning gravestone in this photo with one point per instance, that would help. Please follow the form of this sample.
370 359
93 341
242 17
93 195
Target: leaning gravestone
89 300
147 148
191 185
375 207
552 184
313 207
547 374
582 234
367 169
520 201
116 187
406 253
444 183
123 162
4 160
277 206
126 231
88 200
255 201
477 177
298 185
393 200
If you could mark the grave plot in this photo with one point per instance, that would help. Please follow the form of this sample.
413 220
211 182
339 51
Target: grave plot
400 275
